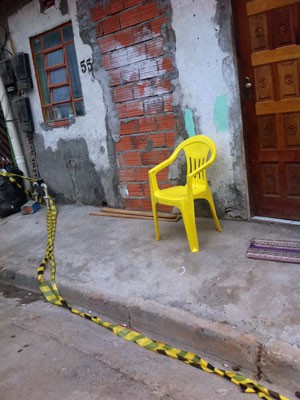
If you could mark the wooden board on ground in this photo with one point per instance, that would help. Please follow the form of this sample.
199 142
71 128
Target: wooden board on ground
120 213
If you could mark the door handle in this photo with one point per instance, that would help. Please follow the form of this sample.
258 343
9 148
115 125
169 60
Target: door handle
248 86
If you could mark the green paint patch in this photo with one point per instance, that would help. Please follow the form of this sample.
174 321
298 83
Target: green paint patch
189 122
221 113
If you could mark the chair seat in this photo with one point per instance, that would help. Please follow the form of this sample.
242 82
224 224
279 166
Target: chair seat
178 193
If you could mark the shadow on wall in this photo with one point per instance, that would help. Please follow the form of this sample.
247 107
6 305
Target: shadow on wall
70 174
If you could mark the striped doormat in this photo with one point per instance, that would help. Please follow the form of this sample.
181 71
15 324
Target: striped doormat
275 250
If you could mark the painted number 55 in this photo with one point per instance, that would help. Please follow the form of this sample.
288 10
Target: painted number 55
86 65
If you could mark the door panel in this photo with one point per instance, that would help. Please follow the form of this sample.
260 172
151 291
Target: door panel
268 49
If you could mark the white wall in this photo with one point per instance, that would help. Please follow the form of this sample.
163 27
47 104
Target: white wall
208 86
28 22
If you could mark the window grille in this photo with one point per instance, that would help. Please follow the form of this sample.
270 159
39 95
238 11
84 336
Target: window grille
57 74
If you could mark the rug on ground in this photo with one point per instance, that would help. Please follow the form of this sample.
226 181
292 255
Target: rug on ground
275 250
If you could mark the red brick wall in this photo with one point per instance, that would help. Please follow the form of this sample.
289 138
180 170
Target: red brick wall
130 39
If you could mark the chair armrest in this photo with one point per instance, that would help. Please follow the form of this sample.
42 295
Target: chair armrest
153 171
161 166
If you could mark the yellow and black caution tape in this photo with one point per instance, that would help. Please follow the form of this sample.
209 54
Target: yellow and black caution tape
52 295
11 177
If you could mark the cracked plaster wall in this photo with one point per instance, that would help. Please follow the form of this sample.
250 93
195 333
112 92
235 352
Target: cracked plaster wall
208 77
85 145
206 91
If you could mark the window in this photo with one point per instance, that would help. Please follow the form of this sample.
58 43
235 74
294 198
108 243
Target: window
57 74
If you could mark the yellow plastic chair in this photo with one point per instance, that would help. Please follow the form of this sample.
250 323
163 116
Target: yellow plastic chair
200 152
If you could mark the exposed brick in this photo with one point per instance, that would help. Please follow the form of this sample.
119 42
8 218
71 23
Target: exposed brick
123 93
142 89
147 124
132 158
114 7
165 122
99 29
124 144
146 189
164 208
111 24
161 86
163 175
115 77
165 65
148 142
148 69
164 154
130 55
119 58
131 3
133 204
150 157
142 174
127 175
137 53
170 139
154 48
124 38
139 142
157 24
168 102
98 12
106 44
130 73
141 33
106 61
139 14
146 205
128 127
136 189
134 108
122 111
153 105
157 139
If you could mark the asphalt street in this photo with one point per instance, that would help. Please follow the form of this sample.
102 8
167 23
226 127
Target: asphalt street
46 351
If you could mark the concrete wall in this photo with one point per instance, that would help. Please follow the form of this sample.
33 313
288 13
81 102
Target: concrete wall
77 162
205 58
163 70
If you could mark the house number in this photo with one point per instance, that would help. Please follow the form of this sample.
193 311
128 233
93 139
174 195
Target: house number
86 65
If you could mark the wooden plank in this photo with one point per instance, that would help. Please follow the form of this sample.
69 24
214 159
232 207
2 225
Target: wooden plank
280 54
115 215
132 212
258 6
275 107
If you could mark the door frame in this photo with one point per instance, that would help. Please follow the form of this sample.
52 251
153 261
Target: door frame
246 106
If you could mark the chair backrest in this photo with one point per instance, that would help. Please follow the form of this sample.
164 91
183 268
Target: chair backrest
198 150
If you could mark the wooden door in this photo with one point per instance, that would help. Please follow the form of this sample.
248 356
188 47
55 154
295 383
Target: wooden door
268 49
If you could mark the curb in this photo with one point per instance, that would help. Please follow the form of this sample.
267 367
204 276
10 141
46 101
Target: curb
276 362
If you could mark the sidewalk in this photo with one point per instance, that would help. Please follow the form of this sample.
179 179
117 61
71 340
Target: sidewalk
244 312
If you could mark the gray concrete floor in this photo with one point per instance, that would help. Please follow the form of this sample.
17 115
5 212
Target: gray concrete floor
117 261
50 352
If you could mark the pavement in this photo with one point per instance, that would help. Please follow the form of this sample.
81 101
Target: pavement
243 312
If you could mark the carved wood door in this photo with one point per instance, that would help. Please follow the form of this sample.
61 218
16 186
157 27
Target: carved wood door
268 50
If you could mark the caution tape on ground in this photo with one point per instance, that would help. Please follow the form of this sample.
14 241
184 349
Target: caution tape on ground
52 295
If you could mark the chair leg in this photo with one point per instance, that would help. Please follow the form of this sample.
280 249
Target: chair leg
211 203
155 219
188 216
